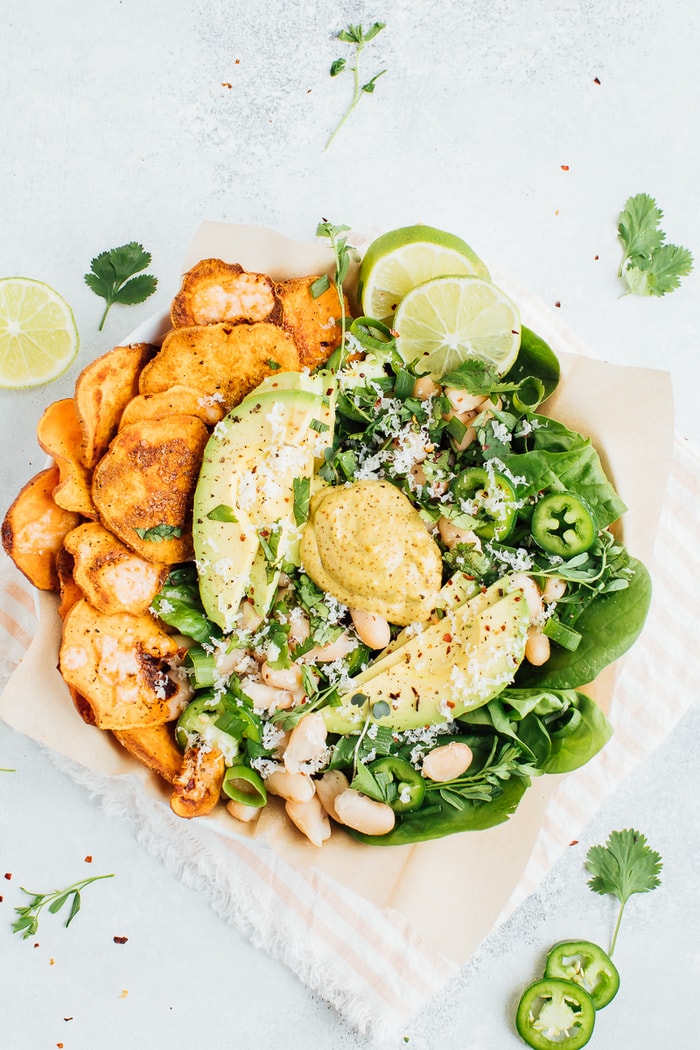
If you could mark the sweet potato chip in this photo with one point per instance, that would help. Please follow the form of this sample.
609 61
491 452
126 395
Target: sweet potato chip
112 577
121 665
68 589
220 360
144 485
197 789
102 391
82 706
34 529
155 747
178 400
214 291
313 323
60 435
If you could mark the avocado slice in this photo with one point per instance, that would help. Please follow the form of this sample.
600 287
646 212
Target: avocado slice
453 666
247 478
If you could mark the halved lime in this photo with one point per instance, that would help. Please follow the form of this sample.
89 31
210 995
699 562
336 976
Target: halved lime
38 335
449 319
399 260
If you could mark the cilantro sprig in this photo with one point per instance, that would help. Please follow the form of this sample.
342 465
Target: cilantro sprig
357 37
27 922
623 866
112 276
650 266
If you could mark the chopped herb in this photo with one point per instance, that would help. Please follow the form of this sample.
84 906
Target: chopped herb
274 365
28 921
320 285
222 512
357 37
159 532
112 276
301 488
319 426
623 866
341 252
649 266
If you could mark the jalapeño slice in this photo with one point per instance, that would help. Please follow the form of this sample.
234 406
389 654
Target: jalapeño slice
553 1013
587 965
489 497
563 525
409 784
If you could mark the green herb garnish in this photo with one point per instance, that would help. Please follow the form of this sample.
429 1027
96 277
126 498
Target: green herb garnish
28 922
159 532
112 276
222 512
341 251
623 866
301 488
649 266
356 36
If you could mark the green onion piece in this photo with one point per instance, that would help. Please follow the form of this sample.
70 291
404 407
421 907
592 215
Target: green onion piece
243 784
404 385
371 334
565 636
456 429
319 286
529 394
202 665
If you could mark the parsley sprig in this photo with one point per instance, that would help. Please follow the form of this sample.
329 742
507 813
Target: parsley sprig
649 266
112 276
341 251
623 866
27 922
358 37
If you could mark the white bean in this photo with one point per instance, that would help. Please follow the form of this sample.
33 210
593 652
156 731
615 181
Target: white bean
299 627
311 819
328 787
372 629
537 648
462 401
246 814
295 787
281 677
307 742
467 437
554 589
336 650
268 697
447 762
451 534
533 595
364 814
424 387
249 619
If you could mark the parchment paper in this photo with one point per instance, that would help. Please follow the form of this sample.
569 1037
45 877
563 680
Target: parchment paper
452 890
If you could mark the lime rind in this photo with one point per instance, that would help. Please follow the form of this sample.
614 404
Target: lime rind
38 334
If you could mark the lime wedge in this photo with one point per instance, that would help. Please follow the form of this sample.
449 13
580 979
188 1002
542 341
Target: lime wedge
449 319
38 336
399 260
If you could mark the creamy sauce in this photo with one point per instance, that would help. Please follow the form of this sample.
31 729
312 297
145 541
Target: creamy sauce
367 545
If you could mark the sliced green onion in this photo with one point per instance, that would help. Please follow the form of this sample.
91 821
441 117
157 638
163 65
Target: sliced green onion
202 666
319 286
243 784
404 385
565 636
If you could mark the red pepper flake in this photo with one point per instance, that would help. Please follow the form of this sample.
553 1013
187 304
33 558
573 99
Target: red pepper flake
88 859
120 940
8 875
447 637
60 1046
36 944
67 1018
225 83
596 257
564 167
1 898
596 80
52 962
574 842
238 61
450 703
557 304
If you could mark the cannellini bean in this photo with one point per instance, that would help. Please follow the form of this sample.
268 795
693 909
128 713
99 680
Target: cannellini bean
295 787
537 648
462 401
447 762
307 742
417 474
364 814
424 387
299 627
467 437
371 628
451 534
328 787
311 819
249 619
281 677
336 650
228 662
268 697
246 814
554 589
533 595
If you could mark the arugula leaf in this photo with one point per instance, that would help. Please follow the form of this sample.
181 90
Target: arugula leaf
649 265
623 866
112 276
27 922
356 36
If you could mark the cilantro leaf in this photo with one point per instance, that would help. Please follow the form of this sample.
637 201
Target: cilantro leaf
623 866
649 265
112 276
159 532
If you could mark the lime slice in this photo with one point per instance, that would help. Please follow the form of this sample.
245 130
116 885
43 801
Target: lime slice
449 319
38 336
399 260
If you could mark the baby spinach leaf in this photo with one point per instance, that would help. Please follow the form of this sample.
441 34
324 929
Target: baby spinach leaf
535 358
